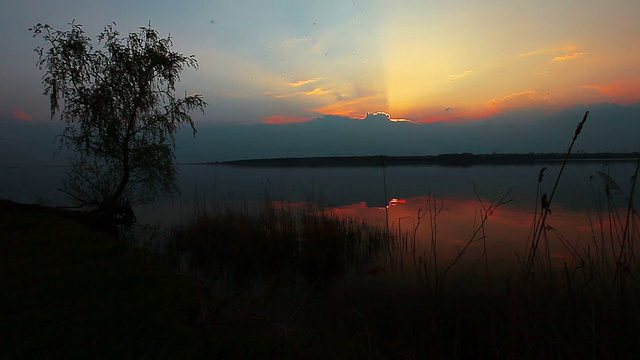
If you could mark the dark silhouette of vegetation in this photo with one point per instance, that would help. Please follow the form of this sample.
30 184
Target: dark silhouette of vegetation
459 159
74 293
279 242
121 114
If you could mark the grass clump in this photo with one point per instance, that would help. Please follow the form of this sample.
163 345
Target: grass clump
275 242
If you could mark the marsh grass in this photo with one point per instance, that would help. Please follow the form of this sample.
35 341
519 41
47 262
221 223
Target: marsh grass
275 242
590 303
609 263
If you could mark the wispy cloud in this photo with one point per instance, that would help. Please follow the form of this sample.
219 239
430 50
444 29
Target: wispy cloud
549 50
21 115
511 101
316 91
355 107
533 52
461 75
620 91
304 82
570 56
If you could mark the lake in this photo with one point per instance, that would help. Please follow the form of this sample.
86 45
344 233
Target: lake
391 197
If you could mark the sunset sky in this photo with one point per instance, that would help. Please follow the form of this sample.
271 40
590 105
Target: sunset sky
424 61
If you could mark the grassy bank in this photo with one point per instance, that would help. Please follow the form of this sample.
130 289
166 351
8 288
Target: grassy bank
67 291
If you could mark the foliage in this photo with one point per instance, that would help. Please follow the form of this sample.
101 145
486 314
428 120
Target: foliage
120 109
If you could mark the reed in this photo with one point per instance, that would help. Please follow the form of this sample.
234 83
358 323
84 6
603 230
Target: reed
276 240
539 229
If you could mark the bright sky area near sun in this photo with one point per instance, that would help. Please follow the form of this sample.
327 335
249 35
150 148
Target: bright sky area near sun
290 61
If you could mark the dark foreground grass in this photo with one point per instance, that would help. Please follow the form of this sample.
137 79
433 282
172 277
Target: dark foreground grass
385 315
69 292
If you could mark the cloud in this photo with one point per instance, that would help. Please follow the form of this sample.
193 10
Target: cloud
304 82
284 119
20 115
512 101
547 51
611 127
570 56
461 75
620 91
530 53
382 114
351 107
316 91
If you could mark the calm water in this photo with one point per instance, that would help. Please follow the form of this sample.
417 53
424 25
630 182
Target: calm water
359 193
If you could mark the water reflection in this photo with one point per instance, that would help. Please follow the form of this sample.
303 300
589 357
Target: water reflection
360 193
454 221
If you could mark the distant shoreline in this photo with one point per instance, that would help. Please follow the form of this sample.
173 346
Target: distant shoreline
455 160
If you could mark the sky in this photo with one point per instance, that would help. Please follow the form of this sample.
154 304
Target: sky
472 74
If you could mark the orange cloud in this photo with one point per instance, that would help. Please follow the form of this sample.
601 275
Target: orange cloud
621 91
389 117
20 115
512 101
460 75
352 107
303 82
283 119
547 51
316 91
568 56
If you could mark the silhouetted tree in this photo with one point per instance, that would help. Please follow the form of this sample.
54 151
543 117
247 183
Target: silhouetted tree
121 113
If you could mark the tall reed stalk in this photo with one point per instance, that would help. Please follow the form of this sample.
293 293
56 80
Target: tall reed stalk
545 208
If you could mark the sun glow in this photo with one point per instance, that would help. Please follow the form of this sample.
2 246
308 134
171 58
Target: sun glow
426 63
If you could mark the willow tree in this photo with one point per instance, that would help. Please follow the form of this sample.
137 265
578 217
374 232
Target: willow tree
117 99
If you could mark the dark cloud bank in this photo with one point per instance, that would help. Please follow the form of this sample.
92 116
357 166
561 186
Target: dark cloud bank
610 127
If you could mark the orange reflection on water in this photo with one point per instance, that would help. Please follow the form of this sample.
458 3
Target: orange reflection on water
456 222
